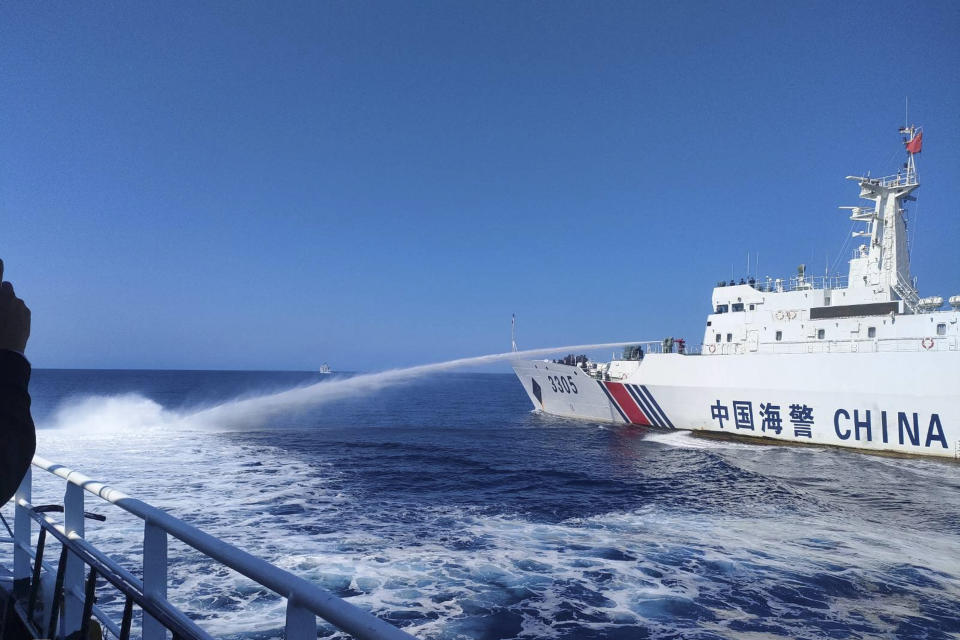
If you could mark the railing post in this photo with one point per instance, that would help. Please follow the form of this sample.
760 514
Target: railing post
73 574
154 576
301 622
22 529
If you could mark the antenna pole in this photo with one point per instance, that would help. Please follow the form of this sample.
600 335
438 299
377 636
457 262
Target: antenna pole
513 331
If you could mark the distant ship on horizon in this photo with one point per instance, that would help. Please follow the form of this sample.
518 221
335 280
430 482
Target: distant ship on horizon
325 369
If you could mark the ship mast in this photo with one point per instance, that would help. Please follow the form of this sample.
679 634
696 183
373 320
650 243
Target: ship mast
884 264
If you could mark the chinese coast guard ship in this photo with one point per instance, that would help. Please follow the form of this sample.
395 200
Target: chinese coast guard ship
861 361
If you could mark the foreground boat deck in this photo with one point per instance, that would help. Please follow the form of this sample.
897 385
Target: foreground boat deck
12 626
44 599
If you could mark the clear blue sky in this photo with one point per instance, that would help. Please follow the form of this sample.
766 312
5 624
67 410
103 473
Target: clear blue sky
274 185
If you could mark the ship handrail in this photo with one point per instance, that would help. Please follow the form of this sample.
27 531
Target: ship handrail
800 283
795 346
907 292
305 600
73 591
651 346
907 178
172 619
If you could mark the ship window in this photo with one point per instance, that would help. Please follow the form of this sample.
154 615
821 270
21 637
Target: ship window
941 329
871 332
737 306
729 337
779 336
722 308
751 307
820 334
718 337
709 323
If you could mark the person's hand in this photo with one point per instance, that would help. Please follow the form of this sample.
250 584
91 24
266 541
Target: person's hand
14 318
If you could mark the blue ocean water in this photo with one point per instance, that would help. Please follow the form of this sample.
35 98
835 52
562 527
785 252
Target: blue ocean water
449 508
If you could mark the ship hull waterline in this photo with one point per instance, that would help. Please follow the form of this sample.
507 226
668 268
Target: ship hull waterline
902 403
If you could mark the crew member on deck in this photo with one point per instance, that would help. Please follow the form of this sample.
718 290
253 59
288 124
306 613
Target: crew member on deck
17 437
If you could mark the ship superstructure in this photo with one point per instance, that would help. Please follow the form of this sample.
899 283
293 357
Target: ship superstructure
860 361
875 308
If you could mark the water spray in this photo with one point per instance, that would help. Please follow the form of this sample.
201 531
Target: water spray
133 411
251 412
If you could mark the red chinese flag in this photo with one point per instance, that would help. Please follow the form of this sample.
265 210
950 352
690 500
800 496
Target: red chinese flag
915 145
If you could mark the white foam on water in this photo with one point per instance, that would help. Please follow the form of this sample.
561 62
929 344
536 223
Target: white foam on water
110 413
611 570
132 411
687 440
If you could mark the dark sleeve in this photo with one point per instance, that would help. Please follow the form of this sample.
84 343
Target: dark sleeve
17 438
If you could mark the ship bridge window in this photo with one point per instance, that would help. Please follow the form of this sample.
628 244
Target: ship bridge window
779 336
871 332
729 337
722 308
752 307
738 306
821 333
718 337
942 329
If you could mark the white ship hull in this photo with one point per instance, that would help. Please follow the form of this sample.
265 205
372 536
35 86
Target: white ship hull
860 361
894 402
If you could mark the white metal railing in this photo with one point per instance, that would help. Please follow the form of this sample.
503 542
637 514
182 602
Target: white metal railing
907 292
305 600
806 283
648 346
866 345
798 283
906 178
853 345
655 346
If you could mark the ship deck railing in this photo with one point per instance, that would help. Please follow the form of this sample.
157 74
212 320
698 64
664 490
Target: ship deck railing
800 283
925 344
654 346
794 283
305 601
907 178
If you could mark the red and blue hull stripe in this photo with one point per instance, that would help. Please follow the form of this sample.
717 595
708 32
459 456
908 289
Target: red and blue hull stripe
636 404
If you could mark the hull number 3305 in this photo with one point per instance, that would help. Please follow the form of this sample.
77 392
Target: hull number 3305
562 385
